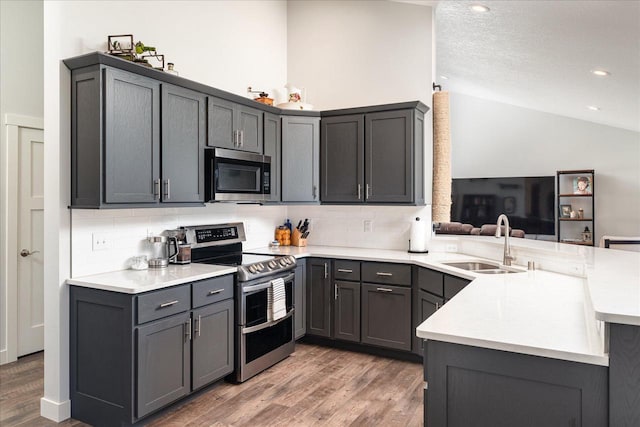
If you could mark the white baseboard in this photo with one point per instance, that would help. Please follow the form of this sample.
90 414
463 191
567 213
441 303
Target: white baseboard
3 357
55 411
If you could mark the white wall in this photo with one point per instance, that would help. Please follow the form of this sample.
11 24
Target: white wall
492 139
225 44
21 86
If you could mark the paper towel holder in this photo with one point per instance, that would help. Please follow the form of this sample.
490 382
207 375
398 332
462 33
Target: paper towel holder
413 251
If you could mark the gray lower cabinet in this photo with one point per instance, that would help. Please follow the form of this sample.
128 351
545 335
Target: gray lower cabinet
386 316
163 362
453 285
131 355
300 299
424 306
319 295
234 126
183 141
346 311
374 157
300 159
273 149
471 386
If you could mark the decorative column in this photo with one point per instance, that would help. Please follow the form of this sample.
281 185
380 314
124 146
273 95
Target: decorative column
441 205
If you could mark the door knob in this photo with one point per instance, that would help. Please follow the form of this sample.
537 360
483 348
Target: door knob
25 253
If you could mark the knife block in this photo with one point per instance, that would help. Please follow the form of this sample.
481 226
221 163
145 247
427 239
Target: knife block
297 240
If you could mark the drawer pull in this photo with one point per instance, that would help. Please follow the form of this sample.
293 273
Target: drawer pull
169 304
187 330
344 270
384 290
217 291
379 273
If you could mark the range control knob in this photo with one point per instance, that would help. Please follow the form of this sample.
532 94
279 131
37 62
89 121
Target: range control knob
291 259
252 268
259 266
283 262
272 264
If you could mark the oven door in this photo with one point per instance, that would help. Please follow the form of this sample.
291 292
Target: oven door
237 176
254 303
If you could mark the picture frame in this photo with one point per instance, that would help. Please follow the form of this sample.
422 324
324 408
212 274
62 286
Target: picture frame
582 185
509 204
565 211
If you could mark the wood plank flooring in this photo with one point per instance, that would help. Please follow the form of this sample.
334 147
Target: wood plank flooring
314 386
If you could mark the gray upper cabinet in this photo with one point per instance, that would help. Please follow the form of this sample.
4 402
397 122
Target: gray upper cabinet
234 126
377 156
183 140
273 149
132 138
342 159
300 159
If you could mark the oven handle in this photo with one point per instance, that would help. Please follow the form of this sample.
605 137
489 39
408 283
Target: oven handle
247 289
266 325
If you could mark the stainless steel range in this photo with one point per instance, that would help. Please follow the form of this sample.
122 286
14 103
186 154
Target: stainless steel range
260 341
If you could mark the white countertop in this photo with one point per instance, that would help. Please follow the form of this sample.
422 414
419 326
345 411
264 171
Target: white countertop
137 281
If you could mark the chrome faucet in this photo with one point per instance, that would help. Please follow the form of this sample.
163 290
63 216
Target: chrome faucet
507 248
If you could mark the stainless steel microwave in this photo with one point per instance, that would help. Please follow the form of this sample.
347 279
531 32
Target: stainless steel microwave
232 175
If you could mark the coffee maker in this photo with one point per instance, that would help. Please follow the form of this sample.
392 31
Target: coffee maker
183 249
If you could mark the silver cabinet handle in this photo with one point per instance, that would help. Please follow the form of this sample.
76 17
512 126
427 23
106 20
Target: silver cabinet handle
326 270
380 273
241 138
359 191
437 306
314 190
197 325
335 291
217 291
156 188
235 138
384 290
25 253
167 189
344 270
366 195
188 330
168 304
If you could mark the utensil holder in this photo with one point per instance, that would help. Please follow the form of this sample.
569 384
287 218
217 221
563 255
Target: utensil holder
297 240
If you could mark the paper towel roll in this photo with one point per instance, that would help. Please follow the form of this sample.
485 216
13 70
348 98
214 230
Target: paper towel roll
418 241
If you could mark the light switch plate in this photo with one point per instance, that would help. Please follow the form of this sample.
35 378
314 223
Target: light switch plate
368 225
101 241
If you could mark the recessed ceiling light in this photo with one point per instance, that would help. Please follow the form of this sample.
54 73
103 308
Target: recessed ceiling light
444 77
601 73
593 108
479 8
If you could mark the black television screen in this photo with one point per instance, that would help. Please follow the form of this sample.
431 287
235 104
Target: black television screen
529 202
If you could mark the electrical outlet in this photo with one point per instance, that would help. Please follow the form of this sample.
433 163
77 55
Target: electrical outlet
368 225
450 247
101 242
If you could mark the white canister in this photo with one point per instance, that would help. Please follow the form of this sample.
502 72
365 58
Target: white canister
418 236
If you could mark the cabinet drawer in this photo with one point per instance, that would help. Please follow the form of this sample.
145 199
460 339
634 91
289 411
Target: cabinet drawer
346 270
212 290
386 272
166 302
431 281
453 285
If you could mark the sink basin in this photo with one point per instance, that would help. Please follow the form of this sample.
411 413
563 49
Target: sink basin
472 265
481 267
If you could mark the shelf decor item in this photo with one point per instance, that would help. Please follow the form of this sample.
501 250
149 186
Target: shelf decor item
576 206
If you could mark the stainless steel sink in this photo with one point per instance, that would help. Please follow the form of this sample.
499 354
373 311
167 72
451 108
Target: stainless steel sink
472 265
481 267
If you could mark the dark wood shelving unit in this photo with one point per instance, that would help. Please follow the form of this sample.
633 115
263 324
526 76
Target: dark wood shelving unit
569 193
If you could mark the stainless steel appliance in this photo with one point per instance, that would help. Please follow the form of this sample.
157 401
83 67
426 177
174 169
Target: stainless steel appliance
232 175
161 251
260 342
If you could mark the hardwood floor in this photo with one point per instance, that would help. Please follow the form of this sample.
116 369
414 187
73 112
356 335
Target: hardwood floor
314 386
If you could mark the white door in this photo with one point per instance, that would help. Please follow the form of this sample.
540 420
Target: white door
30 241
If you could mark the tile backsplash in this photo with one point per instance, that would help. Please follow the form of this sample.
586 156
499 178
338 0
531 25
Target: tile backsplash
125 230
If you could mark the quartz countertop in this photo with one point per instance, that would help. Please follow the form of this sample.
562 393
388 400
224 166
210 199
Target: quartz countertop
138 281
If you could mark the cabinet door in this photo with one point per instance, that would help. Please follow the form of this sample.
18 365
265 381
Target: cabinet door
299 291
318 297
300 163
346 314
212 343
183 141
220 122
342 159
163 362
388 163
132 138
386 316
424 306
273 149
453 285
249 122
